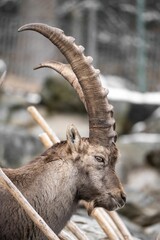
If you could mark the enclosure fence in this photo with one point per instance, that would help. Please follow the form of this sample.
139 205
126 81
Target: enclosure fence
120 56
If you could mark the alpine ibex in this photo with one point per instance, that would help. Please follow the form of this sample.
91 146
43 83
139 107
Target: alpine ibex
75 169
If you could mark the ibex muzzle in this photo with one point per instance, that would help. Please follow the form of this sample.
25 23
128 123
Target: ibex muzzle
73 170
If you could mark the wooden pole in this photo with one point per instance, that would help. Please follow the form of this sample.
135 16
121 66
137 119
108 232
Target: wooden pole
40 120
76 231
111 223
96 213
36 218
64 235
120 225
45 140
104 224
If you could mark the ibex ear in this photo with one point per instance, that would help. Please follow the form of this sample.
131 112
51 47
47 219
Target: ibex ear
73 138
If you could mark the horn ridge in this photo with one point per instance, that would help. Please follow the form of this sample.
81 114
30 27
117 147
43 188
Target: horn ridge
88 78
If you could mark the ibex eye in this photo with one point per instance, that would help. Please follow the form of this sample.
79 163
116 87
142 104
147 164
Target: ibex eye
99 159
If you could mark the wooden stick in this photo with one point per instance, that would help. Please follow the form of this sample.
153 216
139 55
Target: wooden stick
96 213
104 224
111 223
36 218
45 140
76 231
120 225
64 235
40 120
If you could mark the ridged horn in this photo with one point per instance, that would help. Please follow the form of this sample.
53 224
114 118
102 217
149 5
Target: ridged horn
101 122
65 71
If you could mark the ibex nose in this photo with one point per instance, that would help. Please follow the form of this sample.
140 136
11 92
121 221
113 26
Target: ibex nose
123 196
119 198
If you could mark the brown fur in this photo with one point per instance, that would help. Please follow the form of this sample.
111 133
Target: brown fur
54 183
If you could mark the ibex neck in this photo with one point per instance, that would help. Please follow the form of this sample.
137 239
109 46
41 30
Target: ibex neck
51 190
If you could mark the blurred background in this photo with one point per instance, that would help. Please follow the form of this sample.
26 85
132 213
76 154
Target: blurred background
123 37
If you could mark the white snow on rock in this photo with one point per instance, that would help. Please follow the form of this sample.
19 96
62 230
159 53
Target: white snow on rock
118 92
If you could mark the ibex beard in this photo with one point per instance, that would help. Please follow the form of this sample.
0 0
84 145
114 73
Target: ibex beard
73 170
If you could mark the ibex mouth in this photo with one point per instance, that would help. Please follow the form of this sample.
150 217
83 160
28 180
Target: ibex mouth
110 203
118 204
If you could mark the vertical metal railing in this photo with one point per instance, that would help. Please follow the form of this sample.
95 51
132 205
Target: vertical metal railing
22 52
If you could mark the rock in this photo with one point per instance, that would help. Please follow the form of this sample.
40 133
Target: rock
4 114
141 181
121 110
146 177
113 81
148 220
133 149
154 231
58 95
90 226
3 67
150 125
137 231
142 206
153 158
140 112
17 146
20 117
131 210
138 106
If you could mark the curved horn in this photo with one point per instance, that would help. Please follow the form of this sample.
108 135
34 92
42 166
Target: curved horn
66 71
101 122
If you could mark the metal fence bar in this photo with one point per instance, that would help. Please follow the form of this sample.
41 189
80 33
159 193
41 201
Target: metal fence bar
22 52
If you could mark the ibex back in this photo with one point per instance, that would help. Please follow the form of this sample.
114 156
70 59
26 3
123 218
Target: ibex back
73 170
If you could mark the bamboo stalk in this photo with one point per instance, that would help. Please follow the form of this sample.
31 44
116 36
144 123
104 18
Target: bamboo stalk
44 125
120 225
36 218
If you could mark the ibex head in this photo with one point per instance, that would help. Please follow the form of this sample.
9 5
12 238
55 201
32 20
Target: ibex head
95 164
95 157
